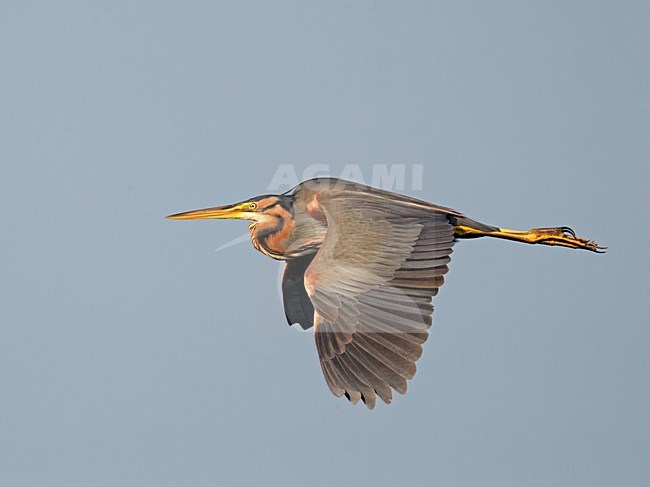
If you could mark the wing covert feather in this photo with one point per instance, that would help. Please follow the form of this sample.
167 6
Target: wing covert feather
371 285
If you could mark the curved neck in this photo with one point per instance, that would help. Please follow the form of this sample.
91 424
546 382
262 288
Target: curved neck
271 232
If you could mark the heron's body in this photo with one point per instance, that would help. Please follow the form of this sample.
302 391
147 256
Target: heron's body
362 265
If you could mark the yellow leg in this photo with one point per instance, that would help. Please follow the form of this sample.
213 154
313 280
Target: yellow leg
560 236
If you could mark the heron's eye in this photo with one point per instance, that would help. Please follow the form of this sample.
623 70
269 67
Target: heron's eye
252 206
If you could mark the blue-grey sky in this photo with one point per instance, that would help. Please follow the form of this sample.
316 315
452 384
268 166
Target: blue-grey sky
132 353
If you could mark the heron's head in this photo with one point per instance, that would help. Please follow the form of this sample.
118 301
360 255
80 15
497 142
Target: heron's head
259 209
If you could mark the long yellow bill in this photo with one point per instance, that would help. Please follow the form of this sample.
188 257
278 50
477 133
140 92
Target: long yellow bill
229 212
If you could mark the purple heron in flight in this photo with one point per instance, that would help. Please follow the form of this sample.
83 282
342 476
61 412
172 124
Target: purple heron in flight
361 267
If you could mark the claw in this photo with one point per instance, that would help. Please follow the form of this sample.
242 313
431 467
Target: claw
594 247
569 231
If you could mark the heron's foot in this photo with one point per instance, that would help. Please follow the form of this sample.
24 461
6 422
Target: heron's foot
560 236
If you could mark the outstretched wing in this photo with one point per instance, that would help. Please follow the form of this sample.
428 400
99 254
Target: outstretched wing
371 285
297 305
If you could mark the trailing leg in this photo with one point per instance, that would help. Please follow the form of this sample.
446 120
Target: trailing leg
557 236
